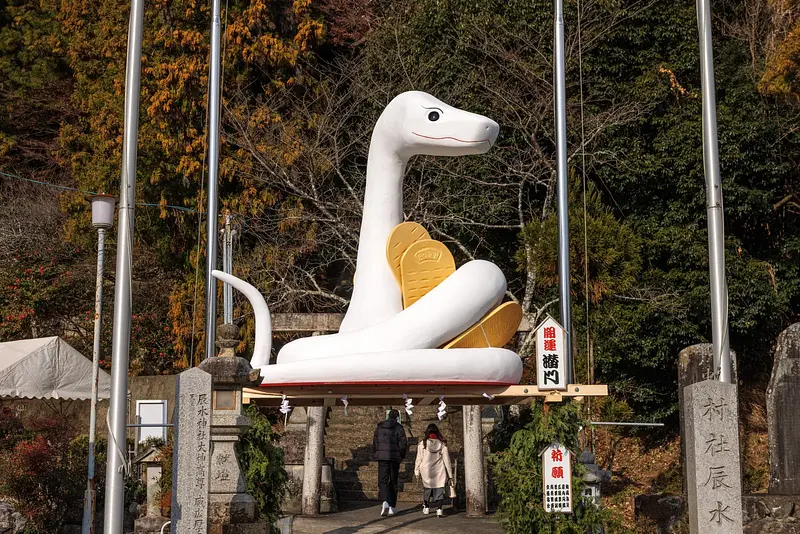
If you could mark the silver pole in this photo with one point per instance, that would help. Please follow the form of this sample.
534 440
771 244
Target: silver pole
115 485
89 500
213 178
227 262
714 207
561 168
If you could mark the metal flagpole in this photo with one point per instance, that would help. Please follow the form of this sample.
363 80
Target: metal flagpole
561 168
88 511
213 177
227 266
115 484
714 207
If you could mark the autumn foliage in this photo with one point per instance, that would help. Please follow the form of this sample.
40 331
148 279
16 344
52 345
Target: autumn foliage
40 465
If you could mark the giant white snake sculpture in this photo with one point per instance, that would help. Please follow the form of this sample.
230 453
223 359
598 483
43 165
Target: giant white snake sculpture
379 341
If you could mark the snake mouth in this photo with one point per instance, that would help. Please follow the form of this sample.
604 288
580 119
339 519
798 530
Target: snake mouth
452 139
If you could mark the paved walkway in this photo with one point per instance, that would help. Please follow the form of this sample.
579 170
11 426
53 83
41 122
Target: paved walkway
364 518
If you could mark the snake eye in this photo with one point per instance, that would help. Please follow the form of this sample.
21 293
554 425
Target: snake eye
433 116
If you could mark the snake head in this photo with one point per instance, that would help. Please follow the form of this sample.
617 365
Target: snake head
420 124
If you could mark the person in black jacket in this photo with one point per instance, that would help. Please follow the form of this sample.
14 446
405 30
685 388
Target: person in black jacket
389 444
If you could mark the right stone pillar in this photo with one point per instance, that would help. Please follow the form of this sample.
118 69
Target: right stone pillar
712 456
695 364
474 479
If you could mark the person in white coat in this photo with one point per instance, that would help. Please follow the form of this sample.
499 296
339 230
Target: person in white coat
433 465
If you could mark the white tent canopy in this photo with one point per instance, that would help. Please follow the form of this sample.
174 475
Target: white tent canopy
47 368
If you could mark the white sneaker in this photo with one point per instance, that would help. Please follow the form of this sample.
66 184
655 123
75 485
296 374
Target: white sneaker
426 510
391 511
385 508
439 513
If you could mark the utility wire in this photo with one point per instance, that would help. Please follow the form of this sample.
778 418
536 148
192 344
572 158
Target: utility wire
85 192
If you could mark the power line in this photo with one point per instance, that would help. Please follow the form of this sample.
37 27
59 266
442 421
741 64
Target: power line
86 192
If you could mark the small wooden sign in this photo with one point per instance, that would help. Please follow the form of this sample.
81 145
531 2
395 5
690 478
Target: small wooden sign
550 356
557 479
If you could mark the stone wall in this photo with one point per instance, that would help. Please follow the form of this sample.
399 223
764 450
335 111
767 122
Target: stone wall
762 513
76 412
771 514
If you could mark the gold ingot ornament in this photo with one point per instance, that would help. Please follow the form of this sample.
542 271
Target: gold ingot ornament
424 265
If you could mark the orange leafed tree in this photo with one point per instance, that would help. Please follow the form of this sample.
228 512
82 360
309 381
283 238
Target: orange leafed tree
262 43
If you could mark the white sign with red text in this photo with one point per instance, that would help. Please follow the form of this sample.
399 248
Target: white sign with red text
550 355
557 479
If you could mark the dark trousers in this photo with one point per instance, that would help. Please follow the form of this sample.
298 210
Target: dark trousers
387 481
433 498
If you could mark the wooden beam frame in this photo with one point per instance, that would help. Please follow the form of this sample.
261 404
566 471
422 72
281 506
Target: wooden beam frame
376 395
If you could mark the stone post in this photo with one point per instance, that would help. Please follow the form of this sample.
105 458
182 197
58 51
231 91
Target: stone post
153 474
152 522
474 479
695 364
191 453
783 414
230 509
315 441
713 463
293 443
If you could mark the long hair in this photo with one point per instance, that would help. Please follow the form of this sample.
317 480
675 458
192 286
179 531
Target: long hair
432 429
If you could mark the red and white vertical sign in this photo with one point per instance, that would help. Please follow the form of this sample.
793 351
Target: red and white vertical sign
557 479
550 355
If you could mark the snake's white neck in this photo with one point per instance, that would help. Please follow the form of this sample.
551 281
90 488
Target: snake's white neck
413 123
383 200
376 295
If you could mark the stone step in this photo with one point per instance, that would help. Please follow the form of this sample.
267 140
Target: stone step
372 495
348 440
355 464
369 477
373 485
361 456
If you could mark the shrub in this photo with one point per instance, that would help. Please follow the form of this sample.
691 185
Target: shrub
165 486
262 465
44 472
517 473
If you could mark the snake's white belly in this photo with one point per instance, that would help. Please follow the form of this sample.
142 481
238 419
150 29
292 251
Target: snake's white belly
452 307
490 366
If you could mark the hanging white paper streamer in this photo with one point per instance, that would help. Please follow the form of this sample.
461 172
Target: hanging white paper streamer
409 404
442 408
285 409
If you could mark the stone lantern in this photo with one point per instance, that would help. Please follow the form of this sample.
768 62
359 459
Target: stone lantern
230 508
593 477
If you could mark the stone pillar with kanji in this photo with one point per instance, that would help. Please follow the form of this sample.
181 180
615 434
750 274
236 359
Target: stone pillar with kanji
230 508
713 461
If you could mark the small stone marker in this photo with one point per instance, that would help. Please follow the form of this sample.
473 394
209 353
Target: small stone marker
557 479
153 490
550 357
783 414
191 461
712 455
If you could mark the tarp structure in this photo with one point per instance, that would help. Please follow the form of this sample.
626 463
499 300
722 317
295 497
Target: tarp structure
48 368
